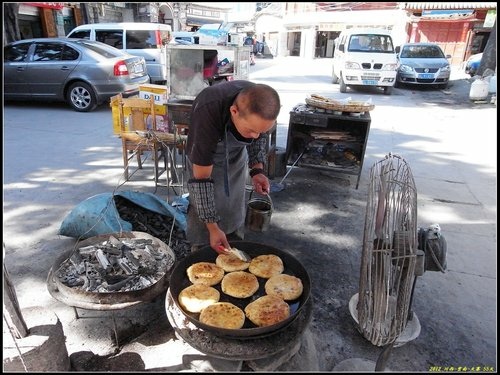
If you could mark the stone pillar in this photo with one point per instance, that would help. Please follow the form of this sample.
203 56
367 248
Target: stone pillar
43 350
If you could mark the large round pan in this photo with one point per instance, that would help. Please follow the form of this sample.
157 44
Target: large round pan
179 280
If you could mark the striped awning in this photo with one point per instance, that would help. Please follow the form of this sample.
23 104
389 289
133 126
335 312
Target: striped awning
440 6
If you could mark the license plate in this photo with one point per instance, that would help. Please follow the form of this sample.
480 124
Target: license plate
138 69
426 76
369 82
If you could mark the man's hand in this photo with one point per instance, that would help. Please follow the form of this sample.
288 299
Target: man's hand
218 239
261 184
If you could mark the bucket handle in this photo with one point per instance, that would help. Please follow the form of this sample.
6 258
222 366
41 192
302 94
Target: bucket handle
266 195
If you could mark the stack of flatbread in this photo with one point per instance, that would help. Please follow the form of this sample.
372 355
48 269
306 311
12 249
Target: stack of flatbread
239 279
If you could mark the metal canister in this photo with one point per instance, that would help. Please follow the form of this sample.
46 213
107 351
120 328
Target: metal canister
259 211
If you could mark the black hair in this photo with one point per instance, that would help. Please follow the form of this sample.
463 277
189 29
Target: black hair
261 100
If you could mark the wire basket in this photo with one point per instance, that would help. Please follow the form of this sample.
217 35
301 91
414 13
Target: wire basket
334 105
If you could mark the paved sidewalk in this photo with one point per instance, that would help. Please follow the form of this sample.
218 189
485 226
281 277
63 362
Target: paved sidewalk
55 158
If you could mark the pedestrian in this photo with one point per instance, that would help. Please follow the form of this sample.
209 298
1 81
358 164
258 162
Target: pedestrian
227 136
251 42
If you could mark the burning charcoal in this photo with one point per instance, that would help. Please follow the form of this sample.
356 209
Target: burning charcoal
118 285
144 282
77 262
103 260
134 263
143 255
112 251
124 265
87 250
115 242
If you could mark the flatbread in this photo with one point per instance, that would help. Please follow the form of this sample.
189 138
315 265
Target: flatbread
196 297
223 315
266 266
267 310
205 273
285 286
239 284
231 263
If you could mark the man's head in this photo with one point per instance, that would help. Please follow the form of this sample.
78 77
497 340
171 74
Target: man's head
255 110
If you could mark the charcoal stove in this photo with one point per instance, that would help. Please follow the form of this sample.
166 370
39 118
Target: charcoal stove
134 289
328 140
250 342
242 348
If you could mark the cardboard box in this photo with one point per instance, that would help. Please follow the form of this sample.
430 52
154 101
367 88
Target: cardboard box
162 123
160 94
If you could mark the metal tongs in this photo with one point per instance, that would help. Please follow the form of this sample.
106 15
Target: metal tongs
240 254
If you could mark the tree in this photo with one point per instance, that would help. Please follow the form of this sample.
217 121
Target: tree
11 26
489 59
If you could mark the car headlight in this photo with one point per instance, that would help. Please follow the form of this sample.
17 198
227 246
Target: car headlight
445 68
405 69
352 65
390 67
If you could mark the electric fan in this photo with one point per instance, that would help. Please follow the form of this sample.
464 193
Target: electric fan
389 257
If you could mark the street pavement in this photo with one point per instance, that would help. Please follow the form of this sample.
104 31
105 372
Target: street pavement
54 158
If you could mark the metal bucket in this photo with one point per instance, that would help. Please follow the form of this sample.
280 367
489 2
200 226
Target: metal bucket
259 211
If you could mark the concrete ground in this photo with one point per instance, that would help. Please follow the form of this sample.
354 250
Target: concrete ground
55 158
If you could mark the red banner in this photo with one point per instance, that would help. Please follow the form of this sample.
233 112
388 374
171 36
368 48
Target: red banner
47 5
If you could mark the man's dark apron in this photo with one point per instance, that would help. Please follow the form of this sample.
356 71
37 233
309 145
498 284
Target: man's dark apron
232 208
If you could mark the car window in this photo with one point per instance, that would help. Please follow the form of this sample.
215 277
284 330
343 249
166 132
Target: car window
48 52
371 43
421 52
100 48
113 38
82 34
16 53
141 39
69 54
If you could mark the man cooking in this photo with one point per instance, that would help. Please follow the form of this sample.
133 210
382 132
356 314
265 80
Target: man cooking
227 135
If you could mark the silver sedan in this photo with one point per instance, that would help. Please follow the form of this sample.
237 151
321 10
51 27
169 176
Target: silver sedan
81 72
422 64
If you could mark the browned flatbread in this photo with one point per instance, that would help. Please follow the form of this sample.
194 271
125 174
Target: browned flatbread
205 273
239 284
285 286
223 315
196 297
231 263
266 266
267 310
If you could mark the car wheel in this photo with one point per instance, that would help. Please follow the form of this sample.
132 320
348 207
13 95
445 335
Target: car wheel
343 86
81 97
397 84
335 79
387 90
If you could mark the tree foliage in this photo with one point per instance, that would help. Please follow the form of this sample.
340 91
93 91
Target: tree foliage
489 59
11 24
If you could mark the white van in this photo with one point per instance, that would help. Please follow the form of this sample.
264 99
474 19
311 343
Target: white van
137 38
365 57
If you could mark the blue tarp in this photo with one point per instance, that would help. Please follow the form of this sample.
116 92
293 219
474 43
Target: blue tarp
98 214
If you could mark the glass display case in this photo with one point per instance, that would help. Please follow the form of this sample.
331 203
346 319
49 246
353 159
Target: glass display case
191 68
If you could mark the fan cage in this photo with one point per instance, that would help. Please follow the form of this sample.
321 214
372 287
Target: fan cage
389 256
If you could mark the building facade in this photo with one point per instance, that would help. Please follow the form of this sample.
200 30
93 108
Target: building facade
305 29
